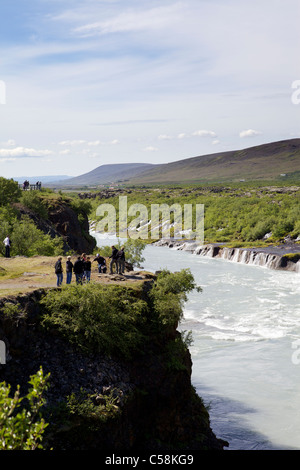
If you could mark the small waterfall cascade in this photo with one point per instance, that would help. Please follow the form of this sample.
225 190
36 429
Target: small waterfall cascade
252 256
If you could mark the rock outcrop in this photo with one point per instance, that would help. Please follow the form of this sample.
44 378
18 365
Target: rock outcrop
63 221
282 257
154 405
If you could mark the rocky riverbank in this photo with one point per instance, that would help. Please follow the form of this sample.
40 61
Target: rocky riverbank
283 257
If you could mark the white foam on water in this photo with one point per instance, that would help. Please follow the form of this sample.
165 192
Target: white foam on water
244 325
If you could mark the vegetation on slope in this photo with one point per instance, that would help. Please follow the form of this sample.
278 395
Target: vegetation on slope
125 323
240 213
25 218
275 160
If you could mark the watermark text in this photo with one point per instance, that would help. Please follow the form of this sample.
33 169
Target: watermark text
296 94
159 221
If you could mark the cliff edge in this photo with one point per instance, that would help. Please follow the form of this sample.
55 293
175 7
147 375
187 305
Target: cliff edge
104 400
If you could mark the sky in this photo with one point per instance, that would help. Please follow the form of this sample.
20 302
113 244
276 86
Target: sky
94 82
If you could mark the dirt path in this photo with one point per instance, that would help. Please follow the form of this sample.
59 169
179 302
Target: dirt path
19 275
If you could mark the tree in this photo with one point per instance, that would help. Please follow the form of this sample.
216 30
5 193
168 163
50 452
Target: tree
9 191
133 250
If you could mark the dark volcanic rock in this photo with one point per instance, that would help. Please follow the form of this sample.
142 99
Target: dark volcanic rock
76 234
156 407
63 222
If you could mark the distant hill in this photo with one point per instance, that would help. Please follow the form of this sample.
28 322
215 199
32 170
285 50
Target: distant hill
267 161
262 162
106 174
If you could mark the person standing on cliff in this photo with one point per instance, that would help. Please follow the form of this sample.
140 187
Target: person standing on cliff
87 268
7 244
78 270
121 261
59 271
113 260
69 269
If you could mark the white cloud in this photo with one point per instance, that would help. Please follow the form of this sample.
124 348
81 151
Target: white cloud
22 152
9 143
146 65
72 142
98 142
65 152
132 20
215 142
164 137
205 133
150 149
249 133
94 143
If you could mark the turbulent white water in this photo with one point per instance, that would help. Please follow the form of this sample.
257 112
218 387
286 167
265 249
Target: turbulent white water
246 351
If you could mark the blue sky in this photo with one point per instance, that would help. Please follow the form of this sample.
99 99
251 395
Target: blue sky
90 82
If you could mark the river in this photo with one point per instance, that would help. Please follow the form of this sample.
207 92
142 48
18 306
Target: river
246 347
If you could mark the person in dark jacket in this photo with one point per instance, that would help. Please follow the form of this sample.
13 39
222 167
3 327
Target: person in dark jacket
87 267
59 272
101 263
69 269
78 270
121 261
113 260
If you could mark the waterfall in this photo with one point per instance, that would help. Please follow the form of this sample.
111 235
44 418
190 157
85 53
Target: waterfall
253 256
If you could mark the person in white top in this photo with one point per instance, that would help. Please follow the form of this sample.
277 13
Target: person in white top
6 242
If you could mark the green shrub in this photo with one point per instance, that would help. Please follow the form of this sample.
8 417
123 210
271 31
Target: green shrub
113 319
21 427
98 407
9 191
169 294
133 251
28 240
33 201
97 317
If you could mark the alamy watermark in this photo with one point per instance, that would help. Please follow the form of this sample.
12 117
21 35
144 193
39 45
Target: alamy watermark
161 221
2 92
296 353
2 352
296 94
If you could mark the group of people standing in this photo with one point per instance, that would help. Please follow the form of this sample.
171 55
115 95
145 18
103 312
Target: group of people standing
82 267
26 185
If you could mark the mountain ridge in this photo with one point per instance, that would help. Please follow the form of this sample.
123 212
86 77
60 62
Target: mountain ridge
261 162
105 174
266 161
